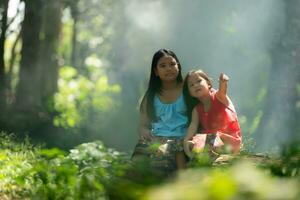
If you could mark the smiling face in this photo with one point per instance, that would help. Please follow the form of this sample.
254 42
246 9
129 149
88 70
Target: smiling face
167 69
198 86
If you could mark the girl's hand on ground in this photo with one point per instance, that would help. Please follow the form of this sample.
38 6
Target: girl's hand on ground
187 146
146 135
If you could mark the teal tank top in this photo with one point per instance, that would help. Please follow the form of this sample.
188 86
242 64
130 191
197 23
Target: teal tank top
171 118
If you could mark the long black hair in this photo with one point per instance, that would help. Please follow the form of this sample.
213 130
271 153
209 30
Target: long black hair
154 85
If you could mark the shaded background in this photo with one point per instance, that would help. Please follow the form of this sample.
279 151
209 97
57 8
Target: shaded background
74 71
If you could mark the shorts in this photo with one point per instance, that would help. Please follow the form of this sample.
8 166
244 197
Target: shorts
159 146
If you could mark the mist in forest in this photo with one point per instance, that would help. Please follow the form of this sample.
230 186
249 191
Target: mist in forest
234 37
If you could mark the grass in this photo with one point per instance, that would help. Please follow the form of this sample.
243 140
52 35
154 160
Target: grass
92 171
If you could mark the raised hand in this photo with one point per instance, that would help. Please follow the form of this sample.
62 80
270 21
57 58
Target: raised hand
222 92
223 77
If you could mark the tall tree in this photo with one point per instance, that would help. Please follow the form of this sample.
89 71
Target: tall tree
28 89
39 64
4 8
48 63
280 123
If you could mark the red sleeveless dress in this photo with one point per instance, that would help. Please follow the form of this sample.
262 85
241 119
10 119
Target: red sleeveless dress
221 120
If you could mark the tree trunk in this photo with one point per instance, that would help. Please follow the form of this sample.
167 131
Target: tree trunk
28 97
49 54
4 5
280 123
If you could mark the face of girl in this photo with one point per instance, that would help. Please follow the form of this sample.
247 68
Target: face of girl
198 86
167 69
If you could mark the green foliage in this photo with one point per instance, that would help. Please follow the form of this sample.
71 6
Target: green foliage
15 159
201 160
250 126
84 96
250 122
288 165
36 173
241 181
83 174
92 30
95 154
92 171
78 95
248 141
65 48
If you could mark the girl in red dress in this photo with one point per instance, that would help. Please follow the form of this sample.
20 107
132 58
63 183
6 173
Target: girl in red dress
213 111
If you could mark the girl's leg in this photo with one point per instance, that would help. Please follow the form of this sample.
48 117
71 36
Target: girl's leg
180 160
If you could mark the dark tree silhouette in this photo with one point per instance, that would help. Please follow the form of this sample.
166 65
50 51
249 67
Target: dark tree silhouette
280 122
4 8
38 72
49 57
28 90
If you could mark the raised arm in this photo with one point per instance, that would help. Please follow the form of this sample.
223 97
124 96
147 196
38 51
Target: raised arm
222 92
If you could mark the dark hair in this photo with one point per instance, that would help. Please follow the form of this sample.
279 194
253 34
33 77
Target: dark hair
154 85
190 101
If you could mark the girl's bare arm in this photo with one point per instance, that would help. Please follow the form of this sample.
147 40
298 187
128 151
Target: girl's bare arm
192 129
144 124
222 92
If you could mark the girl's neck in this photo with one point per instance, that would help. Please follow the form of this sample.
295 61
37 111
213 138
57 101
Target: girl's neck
170 85
205 100
206 103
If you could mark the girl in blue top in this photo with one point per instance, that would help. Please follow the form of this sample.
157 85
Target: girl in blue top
163 117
